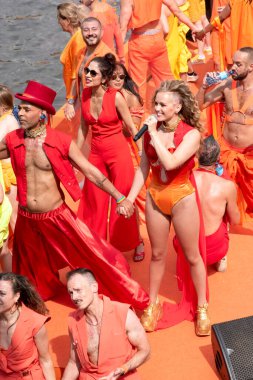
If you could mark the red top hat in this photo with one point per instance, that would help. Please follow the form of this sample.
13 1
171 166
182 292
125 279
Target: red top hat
39 95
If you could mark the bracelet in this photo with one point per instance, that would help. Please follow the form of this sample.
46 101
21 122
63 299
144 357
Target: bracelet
124 368
71 101
121 199
216 23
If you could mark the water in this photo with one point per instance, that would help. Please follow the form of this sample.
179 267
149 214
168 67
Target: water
31 42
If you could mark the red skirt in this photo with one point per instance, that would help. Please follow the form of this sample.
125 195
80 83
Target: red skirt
44 243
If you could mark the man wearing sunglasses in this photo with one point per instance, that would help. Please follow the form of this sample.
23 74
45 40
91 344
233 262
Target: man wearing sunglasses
92 32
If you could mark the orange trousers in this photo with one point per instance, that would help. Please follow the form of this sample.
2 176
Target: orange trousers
148 54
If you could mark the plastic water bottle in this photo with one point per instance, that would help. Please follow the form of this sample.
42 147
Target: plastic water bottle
219 169
220 76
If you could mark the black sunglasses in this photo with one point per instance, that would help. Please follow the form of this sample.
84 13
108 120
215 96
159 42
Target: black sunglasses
93 73
120 76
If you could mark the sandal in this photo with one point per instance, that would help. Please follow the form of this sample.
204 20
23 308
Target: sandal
139 252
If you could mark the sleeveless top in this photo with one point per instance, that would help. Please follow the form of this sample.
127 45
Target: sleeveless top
157 168
108 122
144 11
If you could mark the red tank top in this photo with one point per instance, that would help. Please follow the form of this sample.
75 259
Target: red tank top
180 132
144 11
108 122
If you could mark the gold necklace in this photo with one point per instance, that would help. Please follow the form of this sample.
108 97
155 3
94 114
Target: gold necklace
170 126
38 131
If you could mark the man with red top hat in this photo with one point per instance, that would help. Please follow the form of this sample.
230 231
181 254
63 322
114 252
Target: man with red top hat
48 236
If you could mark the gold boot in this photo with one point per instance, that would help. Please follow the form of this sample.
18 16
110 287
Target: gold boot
151 316
203 324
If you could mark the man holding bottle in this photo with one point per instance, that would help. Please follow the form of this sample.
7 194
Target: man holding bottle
237 133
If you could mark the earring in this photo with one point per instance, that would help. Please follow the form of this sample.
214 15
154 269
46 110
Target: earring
42 117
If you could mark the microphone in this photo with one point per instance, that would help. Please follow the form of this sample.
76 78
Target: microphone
143 129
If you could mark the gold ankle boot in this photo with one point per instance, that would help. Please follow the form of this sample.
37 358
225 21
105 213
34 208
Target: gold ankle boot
151 316
203 324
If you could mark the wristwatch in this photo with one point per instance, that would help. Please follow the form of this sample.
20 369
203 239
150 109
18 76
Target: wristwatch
71 101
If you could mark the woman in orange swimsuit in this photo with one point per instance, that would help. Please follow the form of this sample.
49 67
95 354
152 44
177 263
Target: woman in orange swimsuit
169 149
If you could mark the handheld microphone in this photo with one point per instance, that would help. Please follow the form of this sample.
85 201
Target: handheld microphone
143 129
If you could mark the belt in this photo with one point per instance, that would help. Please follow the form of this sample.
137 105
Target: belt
148 32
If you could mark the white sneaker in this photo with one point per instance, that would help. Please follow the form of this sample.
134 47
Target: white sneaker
221 266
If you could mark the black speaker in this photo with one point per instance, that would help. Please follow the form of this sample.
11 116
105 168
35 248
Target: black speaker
232 343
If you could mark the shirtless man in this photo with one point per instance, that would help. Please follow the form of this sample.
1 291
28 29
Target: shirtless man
48 236
107 339
218 203
237 135
147 48
92 32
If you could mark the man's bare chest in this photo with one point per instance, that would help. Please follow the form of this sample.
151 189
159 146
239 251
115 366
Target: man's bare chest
35 155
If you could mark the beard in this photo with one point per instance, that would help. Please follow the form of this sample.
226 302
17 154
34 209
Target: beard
240 76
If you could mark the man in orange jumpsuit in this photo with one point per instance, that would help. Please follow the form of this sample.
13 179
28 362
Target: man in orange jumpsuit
147 49
237 134
107 339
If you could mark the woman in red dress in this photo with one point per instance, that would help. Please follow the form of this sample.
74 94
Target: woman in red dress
103 110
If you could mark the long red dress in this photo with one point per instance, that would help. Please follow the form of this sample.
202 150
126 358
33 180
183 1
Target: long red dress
111 155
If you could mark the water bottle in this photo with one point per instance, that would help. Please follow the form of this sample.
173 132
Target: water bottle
218 77
219 169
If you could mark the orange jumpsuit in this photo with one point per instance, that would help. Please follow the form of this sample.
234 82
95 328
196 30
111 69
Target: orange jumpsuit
69 59
147 50
114 346
111 30
21 360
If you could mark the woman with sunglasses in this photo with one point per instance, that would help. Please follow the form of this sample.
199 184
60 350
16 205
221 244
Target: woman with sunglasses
103 110
170 145
122 82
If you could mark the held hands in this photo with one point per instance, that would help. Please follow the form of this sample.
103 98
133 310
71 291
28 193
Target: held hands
125 208
69 111
199 35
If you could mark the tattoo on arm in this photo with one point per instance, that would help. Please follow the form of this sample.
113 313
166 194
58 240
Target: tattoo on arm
100 183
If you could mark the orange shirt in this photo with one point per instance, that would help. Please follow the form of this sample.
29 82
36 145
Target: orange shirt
114 346
22 354
69 59
144 12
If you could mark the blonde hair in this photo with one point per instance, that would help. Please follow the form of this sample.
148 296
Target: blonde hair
189 112
69 11
82 12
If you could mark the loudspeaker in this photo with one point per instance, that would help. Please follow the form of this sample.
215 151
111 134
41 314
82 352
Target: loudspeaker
232 343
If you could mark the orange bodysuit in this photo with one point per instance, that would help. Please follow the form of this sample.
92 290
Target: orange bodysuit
114 346
169 187
21 360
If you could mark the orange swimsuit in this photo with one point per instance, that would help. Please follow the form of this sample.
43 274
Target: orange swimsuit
168 187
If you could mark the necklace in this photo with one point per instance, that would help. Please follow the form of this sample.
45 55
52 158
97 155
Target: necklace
170 126
33 133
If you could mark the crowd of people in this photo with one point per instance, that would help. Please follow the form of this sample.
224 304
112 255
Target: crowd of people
172 173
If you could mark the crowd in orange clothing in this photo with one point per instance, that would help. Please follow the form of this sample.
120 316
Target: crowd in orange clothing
167 176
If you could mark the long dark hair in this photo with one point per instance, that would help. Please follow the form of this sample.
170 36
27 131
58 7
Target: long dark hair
28 295
129 84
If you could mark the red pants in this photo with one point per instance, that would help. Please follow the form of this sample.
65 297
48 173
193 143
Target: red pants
148 52
47 242
111 155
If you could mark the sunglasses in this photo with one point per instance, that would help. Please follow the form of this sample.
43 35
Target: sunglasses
92 73
120 76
